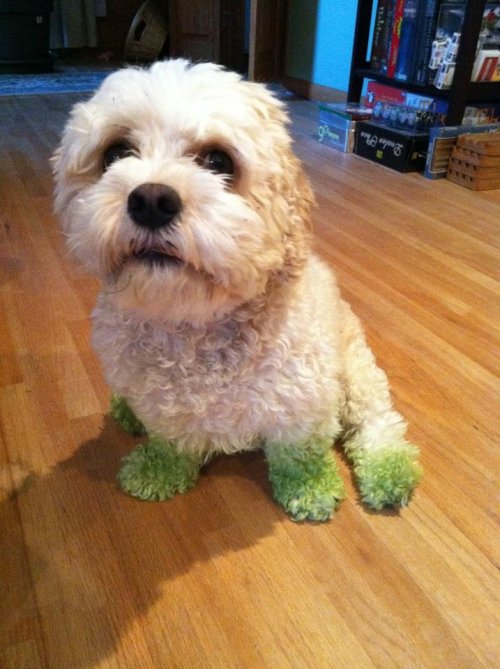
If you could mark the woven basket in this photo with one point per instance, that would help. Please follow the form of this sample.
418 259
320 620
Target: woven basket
147 33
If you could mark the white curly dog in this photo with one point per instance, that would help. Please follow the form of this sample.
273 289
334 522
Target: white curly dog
218 329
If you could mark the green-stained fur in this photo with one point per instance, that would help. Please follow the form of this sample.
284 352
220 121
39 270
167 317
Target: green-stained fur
125 417
305 479
156 471
386 476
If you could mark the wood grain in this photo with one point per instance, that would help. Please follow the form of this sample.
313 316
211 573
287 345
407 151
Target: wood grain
220 577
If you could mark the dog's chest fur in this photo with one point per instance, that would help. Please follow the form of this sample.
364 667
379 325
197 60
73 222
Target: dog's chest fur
255 375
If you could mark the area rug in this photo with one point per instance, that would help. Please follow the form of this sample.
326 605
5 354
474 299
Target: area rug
75 82
54 82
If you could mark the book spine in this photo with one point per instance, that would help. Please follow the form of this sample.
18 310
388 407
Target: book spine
426 25
407 41
492 63
387 35
478 66
496 73
377 54
395 38
485 65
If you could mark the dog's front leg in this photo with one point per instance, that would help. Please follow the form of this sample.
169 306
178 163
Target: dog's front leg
385 464
157 470
305 478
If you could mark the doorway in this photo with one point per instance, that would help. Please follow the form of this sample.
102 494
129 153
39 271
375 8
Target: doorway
243 35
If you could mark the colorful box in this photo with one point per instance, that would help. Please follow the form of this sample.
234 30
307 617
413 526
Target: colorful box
387 96
337 124
400 150
377 92
404 117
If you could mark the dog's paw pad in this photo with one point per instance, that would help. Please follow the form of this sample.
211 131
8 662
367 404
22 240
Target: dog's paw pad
388 476
156 471
125 417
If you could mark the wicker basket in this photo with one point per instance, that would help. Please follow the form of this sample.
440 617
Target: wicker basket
147 33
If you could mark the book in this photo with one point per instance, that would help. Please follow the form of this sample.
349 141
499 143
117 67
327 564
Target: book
424 35
446 41
407 41
487 62
489 36
378 57
397 21
486 65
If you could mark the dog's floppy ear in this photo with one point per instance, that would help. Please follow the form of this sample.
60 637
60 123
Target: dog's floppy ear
74 157
55 159
295 184
74 162
292 211
305 200
297 238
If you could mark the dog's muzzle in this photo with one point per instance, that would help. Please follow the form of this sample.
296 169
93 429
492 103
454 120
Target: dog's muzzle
153 205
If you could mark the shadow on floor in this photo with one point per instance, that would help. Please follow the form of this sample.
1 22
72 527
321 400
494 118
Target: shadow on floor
96 561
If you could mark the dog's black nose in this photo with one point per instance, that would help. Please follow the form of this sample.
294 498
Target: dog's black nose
153 205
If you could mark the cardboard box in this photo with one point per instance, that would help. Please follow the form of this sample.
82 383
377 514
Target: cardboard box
397 149
441 143
337 124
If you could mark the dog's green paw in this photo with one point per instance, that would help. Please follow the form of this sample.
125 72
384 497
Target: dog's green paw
387 476
305 480
125 417
156 471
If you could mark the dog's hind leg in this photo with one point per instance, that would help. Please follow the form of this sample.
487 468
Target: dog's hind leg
124 416
385 464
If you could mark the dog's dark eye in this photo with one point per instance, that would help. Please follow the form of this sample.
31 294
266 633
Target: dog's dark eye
116 152
218 162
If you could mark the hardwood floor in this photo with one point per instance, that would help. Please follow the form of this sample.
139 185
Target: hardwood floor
220 577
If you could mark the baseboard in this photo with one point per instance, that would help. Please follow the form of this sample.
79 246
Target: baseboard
307 89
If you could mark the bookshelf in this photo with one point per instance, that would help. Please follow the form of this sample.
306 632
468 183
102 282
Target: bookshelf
462 90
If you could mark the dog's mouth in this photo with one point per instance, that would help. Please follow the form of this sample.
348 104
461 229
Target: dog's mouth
156 255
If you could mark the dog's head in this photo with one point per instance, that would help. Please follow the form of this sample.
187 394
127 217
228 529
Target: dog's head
178 188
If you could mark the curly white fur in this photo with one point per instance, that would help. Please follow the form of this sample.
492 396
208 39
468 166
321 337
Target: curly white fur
247 340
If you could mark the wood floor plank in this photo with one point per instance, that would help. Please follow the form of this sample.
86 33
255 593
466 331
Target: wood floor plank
220 577
366 565
21 639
